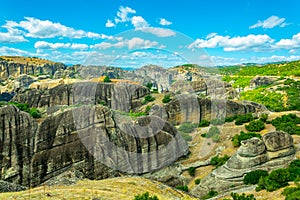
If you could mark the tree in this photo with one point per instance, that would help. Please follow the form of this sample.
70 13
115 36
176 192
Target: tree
106 79
145 196
166 99
255 126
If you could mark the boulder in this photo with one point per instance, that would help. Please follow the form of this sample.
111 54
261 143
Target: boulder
277 140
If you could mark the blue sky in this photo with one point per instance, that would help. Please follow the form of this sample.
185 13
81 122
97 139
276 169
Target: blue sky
137 32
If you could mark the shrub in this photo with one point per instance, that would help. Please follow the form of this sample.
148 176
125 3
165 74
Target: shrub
166 99
277 179
148 108
102 102
218 161
210 194
287 123
294 170
212 131
186 136
236 140
187 127
148 98
35 113
136 114
183 188
145 196
106 79
215 138
236 196
197 181
217 121
192 171
264 117
255 126
292 193
204 123
241 119
149 85
254 176
230 119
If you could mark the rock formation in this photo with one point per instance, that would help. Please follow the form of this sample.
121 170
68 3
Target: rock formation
260 81
90 139
275 150
122 96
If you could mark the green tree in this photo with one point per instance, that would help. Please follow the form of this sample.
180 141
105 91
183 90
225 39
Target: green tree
145 196
106 79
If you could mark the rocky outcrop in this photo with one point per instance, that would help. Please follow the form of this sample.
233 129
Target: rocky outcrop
191 108
124 97
23 82
275 150
14 69
260 81
92 140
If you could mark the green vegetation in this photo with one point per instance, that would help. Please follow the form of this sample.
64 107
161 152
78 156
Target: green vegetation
255 126
231 119
288 123
148 98
187 127
236 139
217 121
241 119
147 109
254 176
236 196
136 114
106 79
34 112
210 194
167 98
149 85
239 82
186 136
213 133
204 123
102 102
145 196
197 181
192 171
264 117
218 161
280 177
292 193
183 188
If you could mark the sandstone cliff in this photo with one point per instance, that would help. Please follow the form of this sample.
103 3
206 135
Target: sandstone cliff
92 140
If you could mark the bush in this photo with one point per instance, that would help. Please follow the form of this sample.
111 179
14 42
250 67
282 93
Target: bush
192 171
204 123
210 194
288 123
136 114
254 176
212 131
264 117
292 193
294 170
148 98
145 196
218 161
241 119
236 196
277 179
215 138
166 99
149 85
106 79
102 102
35 113
255 126
183 188
186 136
230 119
217 121
187 127
236 140
197 181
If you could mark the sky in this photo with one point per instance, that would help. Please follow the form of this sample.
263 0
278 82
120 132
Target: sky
134 33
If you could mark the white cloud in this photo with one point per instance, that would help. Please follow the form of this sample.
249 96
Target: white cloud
109 24
133 43
122 14
292 43
164 22
239 43
11 38
271 22
13 52
48 45
37 28
211 35
139 22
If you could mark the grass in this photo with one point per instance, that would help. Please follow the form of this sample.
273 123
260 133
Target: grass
125 188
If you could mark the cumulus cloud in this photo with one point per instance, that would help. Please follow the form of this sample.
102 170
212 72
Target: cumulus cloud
292 43
48 45
164 22
271 22
11 38
132 43
139 23
109 24
36 28
239 43
14 52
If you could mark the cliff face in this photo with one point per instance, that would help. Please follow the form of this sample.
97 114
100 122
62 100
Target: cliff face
122 97
189 107
92 140
9 68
